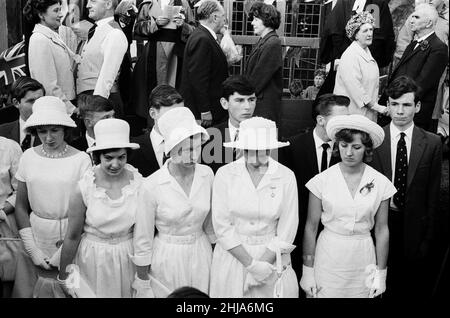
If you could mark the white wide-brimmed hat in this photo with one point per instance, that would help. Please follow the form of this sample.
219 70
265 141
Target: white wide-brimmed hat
49 110
257 133
178 124
112 133
357 122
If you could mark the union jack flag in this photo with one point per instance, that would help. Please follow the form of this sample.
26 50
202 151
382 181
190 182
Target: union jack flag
12 64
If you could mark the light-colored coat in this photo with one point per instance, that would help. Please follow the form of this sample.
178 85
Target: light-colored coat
51 63
358 78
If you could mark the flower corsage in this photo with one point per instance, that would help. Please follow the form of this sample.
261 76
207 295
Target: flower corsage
366 189
424 45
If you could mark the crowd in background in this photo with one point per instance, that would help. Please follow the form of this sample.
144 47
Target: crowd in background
208 197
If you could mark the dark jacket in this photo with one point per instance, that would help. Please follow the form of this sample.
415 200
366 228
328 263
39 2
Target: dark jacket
210 156
265 71
11 131
422 190
424 65
300 156
204 69
144 158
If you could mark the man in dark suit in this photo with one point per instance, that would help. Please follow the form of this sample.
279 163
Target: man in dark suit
205 66
424 61
92 109
239 99
150 156
24 92
309 154
412 158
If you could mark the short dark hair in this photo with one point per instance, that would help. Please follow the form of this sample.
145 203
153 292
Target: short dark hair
320 72
322 104
93 103
237 84
32 9
347 135
296 87
23 85
97 153
187 292
207 8
402 85
271 17
164 96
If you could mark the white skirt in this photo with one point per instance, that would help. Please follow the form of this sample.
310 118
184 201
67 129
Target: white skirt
340 263
228 274
105 265
179 261
47 232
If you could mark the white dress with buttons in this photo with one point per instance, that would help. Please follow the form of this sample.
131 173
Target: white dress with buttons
106 247
344 248
182 249
256 218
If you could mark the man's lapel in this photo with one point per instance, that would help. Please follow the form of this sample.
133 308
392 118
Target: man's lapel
418 144
385 153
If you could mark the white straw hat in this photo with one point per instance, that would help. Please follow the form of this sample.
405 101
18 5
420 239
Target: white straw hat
178 124
49 110
257 133
357 122
112 133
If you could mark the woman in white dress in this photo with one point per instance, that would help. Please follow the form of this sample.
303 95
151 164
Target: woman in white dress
179 197
46 176
357 74
350 198
104 213
255 218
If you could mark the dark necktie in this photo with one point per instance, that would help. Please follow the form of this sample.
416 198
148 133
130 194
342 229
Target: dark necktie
324 164
235 150
26 142
401 172
91 31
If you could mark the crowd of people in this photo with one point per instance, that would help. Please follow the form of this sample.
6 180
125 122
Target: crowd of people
209 201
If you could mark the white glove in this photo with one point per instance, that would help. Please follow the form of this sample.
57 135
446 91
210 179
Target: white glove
379 108
142 288
38 258
2 215
67 286
376 280
260 270
308 281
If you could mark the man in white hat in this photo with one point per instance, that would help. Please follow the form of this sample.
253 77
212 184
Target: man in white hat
310 154
150 157
102 54
239 99
412 158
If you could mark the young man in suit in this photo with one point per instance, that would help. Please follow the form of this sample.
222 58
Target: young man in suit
309 154
24 92
424 61
150 156
205 66
239 99
92 109
412 158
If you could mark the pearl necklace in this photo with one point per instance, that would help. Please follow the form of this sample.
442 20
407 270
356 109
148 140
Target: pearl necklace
58 155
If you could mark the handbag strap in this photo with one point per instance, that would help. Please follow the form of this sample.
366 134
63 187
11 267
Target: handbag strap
278 288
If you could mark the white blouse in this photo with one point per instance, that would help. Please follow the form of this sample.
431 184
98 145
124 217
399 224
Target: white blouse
241 209
173 212
10 153
343 214
50 181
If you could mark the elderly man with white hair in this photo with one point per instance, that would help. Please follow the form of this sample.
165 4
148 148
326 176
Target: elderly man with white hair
424 60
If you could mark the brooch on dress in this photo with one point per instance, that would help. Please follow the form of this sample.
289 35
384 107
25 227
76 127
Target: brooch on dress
366 189
272 188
